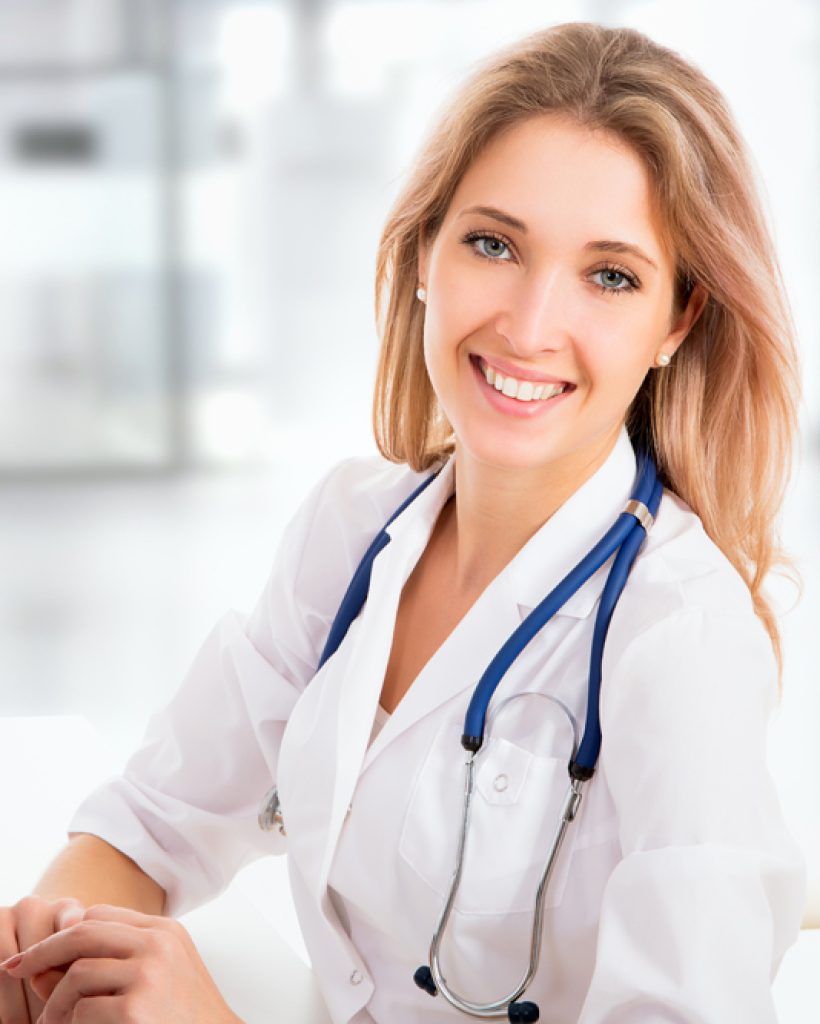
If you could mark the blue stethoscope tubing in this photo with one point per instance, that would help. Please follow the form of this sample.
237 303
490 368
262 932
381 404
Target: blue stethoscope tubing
626 534
625 537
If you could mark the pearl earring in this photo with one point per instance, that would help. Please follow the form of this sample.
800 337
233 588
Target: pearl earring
422 293
664 359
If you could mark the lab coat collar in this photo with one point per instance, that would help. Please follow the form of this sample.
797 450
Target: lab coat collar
552 552
559 544
572 531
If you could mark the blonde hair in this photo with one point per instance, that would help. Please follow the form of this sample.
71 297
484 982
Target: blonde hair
721 418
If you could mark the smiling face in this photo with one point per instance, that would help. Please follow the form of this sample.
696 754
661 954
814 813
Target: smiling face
543 300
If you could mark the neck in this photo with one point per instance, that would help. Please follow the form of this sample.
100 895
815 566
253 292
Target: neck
496 509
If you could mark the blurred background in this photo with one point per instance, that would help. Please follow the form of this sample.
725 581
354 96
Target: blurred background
191 194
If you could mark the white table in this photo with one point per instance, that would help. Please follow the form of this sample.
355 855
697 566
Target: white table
47 765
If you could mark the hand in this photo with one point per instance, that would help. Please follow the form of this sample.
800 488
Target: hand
28 921
121 965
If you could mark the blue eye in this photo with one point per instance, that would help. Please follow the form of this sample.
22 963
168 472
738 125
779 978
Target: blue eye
478 236
631 283
626 282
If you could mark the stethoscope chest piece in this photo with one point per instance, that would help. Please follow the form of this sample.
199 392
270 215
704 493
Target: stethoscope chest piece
517 1013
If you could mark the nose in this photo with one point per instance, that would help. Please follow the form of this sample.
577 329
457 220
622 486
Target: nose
535 317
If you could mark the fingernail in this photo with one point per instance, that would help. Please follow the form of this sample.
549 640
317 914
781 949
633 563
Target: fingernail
11 963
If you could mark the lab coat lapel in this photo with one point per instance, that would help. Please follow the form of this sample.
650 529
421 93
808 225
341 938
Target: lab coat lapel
460 661
541 564
572 531
367 646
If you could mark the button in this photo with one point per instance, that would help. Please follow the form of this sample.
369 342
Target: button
356 978
500 783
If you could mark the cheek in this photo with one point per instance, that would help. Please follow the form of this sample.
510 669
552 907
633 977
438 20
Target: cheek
461 305
622 381
445 332
617 368
436 358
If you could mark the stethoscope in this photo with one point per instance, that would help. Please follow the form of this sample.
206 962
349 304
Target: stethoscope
625 537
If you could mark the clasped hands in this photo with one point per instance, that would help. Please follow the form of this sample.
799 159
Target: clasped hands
119 966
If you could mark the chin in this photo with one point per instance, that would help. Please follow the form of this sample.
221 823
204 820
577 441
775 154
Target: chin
502 454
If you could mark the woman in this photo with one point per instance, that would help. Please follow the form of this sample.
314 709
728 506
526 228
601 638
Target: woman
578 268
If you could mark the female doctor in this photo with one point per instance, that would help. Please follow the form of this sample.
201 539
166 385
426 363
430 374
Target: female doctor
577 270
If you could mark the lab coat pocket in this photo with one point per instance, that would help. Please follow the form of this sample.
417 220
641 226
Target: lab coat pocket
517 801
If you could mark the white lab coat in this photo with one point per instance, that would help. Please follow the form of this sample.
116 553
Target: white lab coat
678 888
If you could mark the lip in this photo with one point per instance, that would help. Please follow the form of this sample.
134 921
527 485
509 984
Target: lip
512 406
508 370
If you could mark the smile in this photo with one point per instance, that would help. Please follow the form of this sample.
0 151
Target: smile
544 399
522 390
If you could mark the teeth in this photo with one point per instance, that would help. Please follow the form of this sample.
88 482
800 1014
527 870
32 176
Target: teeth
523 390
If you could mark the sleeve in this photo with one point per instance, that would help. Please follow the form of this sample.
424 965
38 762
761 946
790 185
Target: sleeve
709 892
185 807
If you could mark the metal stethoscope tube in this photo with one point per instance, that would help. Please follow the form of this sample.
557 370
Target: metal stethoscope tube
498 1009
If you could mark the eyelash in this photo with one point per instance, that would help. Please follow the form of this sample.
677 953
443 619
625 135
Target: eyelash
633 284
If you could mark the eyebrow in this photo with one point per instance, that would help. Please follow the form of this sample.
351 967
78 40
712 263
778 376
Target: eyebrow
600 245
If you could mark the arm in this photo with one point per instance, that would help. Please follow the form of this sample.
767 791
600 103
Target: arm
184 809
93 872
87 870
697 915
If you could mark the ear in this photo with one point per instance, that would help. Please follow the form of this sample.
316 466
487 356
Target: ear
687 318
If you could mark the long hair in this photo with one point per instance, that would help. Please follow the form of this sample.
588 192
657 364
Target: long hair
721 419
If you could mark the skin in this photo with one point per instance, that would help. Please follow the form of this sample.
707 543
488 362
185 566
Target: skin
29 921
86 872
534 300
119 964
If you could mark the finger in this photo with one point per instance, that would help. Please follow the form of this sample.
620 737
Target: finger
45 983
66 913
13 1005
34 920
86 939
98 1010
86 978
125 915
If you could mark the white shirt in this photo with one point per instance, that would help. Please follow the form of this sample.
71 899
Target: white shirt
678 888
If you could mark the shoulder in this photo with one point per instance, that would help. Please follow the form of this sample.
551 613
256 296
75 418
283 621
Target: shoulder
336 522
680 567
317 554
684 599
353 500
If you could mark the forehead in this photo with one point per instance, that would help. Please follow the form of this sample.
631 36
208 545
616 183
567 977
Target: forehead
566 182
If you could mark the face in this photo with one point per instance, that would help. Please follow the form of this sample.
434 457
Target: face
544 301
